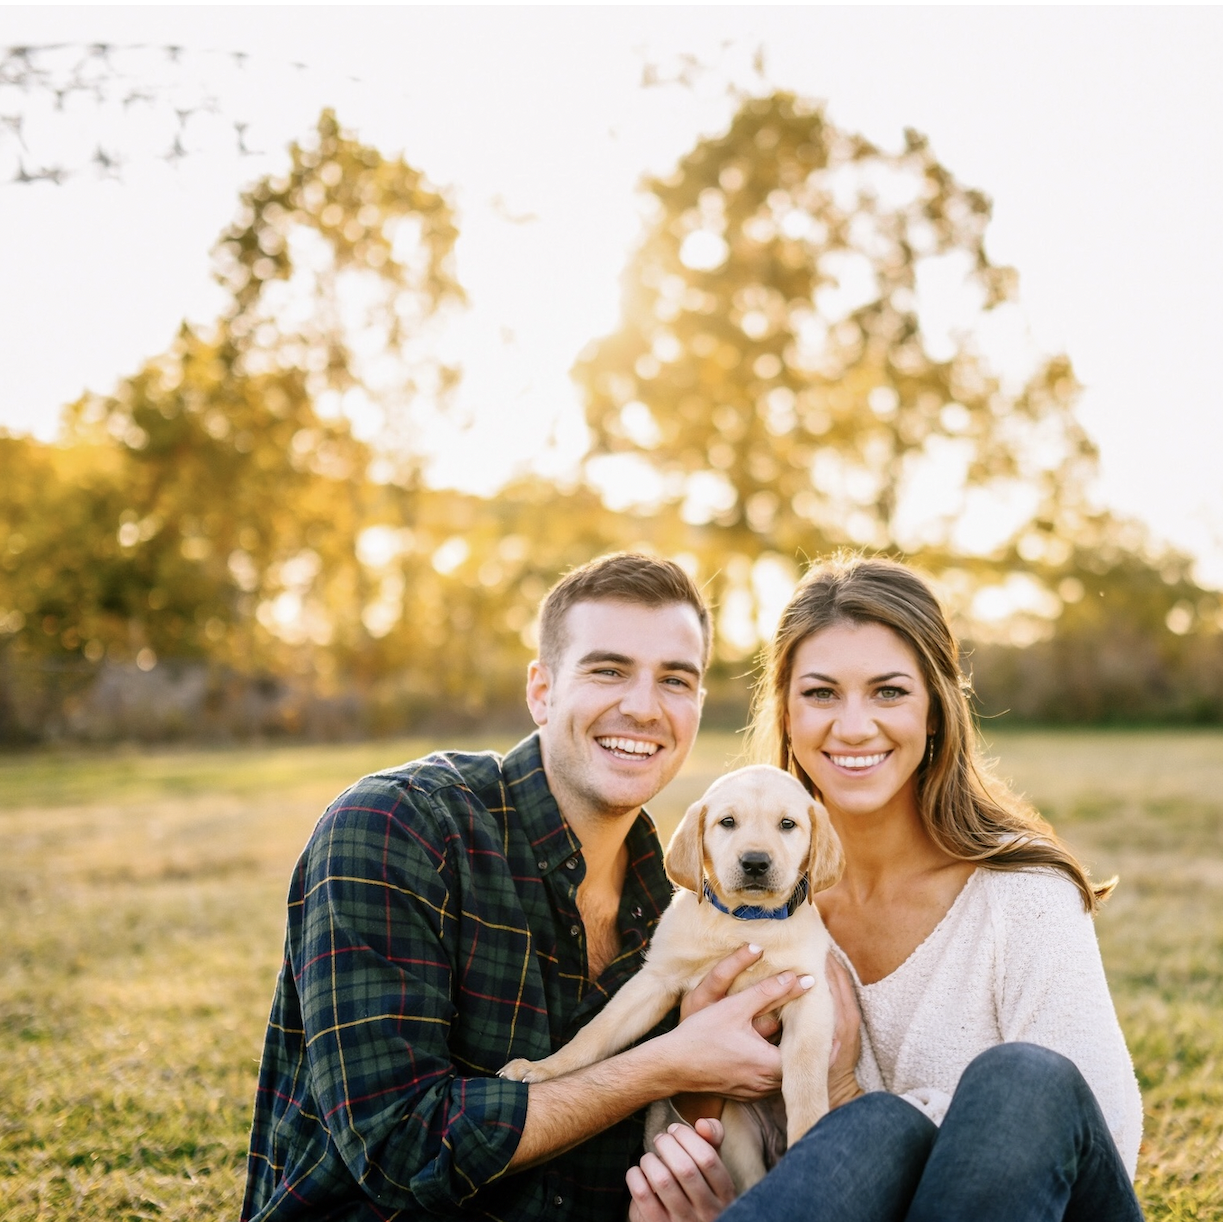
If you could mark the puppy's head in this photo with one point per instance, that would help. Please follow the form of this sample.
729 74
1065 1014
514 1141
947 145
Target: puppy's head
752 836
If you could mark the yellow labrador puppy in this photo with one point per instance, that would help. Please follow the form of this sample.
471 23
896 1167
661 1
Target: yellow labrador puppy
747 859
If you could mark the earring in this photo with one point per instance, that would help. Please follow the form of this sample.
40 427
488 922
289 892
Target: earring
929 750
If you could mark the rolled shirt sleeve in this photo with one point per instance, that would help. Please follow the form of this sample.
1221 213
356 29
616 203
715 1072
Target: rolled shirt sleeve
375 974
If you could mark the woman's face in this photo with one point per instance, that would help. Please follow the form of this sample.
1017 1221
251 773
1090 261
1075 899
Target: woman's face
858 714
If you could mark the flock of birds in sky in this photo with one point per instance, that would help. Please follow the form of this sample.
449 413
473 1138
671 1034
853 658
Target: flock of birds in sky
47 89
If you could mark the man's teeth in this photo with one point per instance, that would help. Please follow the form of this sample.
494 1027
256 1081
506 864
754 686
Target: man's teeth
859 762
634 747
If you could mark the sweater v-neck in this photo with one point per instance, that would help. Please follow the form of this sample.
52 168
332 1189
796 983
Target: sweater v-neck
921 948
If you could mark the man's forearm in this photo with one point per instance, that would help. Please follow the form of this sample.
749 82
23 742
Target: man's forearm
564 1112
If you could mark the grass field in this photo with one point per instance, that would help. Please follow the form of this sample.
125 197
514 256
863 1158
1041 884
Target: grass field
142 900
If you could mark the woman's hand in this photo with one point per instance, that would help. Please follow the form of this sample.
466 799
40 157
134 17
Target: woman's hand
686 1179
843 1084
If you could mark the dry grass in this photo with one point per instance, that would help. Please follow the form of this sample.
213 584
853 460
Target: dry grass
142 899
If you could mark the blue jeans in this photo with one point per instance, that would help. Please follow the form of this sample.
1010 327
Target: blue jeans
1023 1139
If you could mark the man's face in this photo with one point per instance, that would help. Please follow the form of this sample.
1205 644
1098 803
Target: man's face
619 709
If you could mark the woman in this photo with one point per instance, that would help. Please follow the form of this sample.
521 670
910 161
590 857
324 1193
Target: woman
993 1080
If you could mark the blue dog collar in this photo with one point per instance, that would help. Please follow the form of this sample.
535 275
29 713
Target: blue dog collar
758 912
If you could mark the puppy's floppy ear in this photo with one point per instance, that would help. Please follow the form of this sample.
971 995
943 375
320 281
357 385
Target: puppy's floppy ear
826 860
683 859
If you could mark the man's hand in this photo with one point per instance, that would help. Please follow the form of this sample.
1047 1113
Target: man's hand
713 988
846 1037
716 985
686 1179
718 1049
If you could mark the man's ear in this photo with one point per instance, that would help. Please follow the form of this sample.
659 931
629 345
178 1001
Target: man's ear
683 861
826 860
539 686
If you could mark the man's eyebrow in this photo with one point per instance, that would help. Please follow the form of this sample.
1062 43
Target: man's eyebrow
623 660
682 664
604 656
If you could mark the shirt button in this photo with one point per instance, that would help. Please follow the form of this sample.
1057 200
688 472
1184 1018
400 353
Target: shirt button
571 864
542 864
558 1200
575 929
636 910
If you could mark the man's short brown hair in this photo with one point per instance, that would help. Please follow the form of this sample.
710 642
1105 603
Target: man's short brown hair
624 577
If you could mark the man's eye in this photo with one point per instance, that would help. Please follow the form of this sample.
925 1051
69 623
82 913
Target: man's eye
727 821
787 824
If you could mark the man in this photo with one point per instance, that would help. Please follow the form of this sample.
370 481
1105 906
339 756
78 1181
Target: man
462 910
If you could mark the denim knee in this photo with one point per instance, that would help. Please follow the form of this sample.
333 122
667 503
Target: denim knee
1032 1065
860 1161
881 1113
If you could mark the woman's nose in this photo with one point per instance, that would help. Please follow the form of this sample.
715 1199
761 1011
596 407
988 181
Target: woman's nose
854 723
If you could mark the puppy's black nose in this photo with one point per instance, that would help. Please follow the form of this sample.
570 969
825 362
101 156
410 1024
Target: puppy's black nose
755 862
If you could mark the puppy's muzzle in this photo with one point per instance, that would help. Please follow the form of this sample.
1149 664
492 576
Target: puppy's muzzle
755 867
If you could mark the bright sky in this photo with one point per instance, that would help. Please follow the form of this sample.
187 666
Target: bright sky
1096 131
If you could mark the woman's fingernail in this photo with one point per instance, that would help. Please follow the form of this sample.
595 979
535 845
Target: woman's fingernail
785 979
806 982
754 948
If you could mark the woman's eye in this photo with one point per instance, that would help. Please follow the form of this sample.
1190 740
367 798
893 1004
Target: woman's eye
891 693
819 694
727 821
787 824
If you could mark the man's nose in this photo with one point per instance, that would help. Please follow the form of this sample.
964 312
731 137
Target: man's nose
640 700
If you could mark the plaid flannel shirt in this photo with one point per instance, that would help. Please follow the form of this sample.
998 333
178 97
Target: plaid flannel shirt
433 935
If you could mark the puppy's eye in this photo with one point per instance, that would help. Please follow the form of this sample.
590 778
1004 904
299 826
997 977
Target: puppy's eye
787 824
727 821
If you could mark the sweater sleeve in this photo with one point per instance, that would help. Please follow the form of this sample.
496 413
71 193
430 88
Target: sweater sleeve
1051 991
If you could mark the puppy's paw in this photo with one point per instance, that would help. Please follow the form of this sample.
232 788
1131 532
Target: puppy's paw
523 1071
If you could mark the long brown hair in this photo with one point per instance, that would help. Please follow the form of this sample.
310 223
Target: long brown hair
965 809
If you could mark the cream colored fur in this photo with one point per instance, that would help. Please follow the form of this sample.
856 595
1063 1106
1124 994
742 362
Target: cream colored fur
742 813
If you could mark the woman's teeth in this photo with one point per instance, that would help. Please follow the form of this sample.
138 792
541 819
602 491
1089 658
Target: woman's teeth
632 747
859 762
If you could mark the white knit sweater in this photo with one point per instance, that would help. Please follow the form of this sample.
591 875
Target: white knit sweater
1015 958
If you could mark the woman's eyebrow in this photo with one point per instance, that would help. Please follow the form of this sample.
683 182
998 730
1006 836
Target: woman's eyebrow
877 679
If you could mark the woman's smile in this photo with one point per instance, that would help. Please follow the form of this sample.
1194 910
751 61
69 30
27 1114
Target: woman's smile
857 764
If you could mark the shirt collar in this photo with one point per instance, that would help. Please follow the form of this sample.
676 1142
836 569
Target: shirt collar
539 817
551 838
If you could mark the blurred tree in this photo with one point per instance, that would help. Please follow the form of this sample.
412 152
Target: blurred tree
338 269
774 370
1125 635
213 504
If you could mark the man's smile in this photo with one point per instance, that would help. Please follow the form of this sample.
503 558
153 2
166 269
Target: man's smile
627 749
